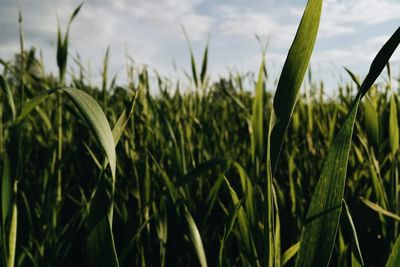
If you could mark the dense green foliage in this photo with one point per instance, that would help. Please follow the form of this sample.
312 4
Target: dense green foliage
156 174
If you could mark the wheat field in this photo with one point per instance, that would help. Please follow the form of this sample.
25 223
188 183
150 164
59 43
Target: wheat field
215 173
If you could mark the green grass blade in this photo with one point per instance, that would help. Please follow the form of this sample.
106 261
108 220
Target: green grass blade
6 190
192 60
354 77
10 98
195 237
290 253
97 121
379 209
354 261
93 115
12 237
62 46
227 231
394 258
277 231
357 249
248 191
212 197
284 103
380 61
100 237
194 70
194 234
117 130
32 103
376 177
371 122
292 76
257 119
123 120
75 13
393 126
203 73
62 53
93 156
322 220
244 228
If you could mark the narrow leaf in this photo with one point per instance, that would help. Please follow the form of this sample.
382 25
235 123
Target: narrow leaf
393 126
76 11
203 72
6 190
322 220
33 103
290 253
123 119
97 121
292 76
394 258
12 239
380 210
257 140
195 237
358 254
284 103
10 98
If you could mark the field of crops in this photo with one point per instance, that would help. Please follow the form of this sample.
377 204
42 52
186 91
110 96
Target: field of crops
225 173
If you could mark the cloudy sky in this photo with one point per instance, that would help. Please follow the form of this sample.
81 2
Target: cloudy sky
150 31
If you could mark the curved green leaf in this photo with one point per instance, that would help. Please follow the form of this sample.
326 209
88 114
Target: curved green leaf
195 237
97 121
284 103
379 209
290 253
394 258
322 220
356 250
292 76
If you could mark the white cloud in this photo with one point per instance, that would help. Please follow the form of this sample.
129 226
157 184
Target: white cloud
332 28
332 55
364 11
345 17
155 8
248 23
166 16
142 27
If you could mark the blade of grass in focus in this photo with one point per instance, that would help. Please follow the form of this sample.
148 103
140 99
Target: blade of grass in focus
292 77
284 103
322 220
